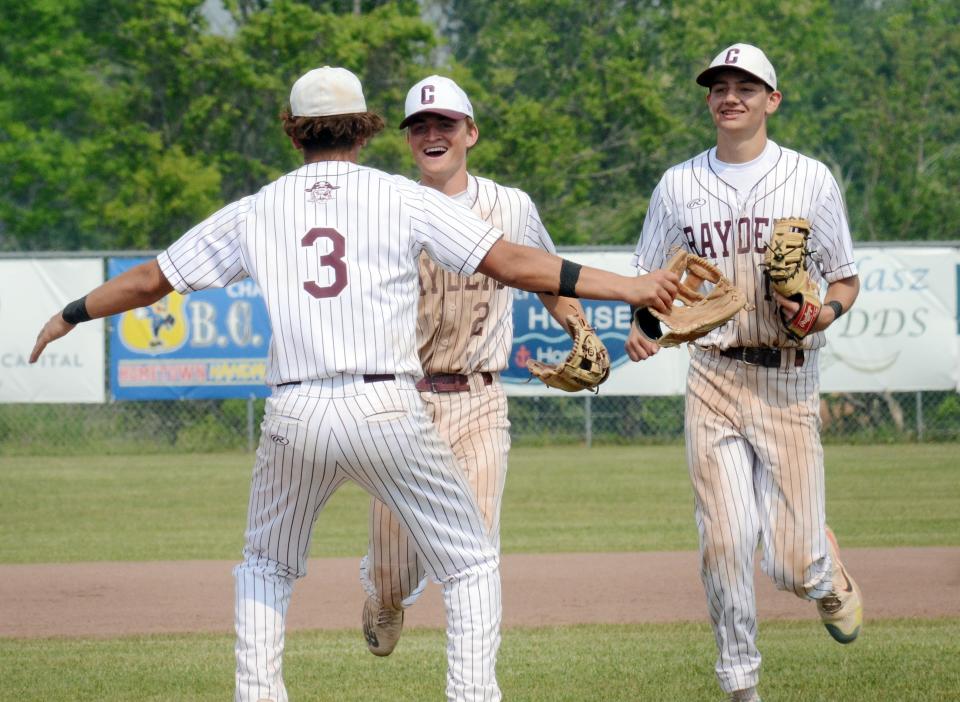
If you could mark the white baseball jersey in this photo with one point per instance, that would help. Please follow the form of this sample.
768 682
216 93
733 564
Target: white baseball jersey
465 324
341 293
333 247
695 209
752 432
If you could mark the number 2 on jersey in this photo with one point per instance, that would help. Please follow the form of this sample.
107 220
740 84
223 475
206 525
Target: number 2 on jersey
333 260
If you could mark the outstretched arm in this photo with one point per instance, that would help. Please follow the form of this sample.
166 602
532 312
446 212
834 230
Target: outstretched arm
138 287
536 270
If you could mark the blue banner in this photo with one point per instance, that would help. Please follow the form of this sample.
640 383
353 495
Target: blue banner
210 344
538 336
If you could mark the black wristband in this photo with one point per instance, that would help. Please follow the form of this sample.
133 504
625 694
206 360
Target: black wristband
569 275
836 307
76 312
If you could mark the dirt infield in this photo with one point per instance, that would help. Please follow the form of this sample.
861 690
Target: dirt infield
113 599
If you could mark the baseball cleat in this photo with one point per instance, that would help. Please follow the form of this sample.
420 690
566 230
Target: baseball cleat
747 695
842 610
381 627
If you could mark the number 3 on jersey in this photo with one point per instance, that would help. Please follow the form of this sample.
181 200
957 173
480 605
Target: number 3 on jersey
333 259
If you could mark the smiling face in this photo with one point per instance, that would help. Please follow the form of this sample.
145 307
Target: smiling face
739 103
439 146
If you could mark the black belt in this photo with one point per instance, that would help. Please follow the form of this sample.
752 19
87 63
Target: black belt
450 382
761 356
367 378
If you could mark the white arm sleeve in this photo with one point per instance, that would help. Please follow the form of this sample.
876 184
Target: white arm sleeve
452 234
208 255
660 231
831 234
535 234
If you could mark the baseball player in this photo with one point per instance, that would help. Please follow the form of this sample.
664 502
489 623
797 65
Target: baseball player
464 335
752 402
337 266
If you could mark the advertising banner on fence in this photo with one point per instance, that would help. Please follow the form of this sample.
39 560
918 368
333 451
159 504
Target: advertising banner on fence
209 344
902 334
538 336
71 369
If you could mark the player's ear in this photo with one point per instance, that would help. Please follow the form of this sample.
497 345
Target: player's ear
773 101
296 144
473 133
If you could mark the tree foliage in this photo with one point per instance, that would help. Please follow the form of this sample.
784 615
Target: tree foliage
122 122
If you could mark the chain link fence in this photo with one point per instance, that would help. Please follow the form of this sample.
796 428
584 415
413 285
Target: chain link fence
186 426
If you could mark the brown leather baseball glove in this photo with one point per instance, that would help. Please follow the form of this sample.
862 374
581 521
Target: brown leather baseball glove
785 264
585 367
698 314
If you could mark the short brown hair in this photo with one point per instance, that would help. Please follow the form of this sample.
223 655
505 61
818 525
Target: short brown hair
331 133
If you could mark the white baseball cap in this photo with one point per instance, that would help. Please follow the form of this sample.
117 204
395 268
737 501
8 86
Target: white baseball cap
744 57
437 94
327 91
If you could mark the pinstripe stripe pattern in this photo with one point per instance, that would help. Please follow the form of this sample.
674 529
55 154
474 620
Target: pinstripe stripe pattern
752 433
475 423
465 325
694 209
476 426
317 435
756 466
385 221
333 247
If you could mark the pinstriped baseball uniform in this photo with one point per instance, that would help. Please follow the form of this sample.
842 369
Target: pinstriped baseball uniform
752 432
333 247
464 326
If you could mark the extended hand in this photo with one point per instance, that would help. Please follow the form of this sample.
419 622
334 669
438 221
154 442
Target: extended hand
52 330
638 346
656 290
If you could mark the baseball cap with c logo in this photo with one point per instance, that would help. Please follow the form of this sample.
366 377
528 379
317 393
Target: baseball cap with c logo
438 95
744 57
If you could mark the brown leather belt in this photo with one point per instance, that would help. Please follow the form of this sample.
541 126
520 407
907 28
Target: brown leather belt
761 356
367 378
450 382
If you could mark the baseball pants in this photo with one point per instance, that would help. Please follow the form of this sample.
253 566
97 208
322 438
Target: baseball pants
756 465
476 426
316 436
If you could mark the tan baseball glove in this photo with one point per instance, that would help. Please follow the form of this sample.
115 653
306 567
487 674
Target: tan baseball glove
585 367
698 313
785 263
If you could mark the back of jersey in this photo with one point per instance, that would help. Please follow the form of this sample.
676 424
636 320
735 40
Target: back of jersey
333 253
333 248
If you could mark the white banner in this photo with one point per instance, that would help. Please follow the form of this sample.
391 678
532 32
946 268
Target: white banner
901 335
72 368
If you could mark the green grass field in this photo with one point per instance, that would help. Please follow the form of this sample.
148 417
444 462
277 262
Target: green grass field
897 661
135 508
558 500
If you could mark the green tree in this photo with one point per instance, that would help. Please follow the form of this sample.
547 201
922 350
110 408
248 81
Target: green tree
589 103
123 122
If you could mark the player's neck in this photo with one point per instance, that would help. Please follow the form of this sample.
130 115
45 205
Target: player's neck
740 148
351 155
449 184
